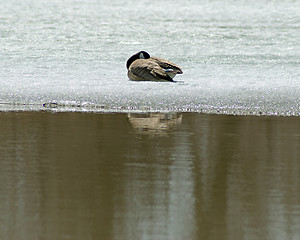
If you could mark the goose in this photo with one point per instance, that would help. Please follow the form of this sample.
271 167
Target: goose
142 67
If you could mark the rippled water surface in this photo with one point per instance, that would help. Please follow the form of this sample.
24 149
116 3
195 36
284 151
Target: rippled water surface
238 57
150 176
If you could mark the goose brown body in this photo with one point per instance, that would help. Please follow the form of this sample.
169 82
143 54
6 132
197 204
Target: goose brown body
142 67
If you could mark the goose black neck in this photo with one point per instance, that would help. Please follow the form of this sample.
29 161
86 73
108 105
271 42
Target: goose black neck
136 56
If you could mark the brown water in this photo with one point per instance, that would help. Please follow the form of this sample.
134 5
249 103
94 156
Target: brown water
153 176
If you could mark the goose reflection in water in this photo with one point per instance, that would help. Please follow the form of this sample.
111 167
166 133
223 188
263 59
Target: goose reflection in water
154 123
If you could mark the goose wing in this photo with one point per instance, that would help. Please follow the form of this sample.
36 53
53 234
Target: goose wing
149 70
167 65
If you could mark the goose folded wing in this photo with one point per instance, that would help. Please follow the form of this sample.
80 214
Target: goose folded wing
167 65
149 70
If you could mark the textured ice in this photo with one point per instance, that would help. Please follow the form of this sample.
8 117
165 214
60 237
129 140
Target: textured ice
59 56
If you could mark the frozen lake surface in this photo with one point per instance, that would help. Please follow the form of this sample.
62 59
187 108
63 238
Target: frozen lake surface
238 57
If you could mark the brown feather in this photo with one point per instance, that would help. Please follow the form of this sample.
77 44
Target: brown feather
152 69
148 70
167 64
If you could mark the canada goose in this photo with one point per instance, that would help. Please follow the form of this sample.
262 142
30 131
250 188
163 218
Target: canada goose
142 67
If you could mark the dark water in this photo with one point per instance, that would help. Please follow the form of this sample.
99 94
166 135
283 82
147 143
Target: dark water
239 57
152 176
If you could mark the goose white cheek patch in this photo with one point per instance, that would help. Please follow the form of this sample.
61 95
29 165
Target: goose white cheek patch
141 56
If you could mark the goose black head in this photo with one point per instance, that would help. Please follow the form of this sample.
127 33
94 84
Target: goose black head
139 55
